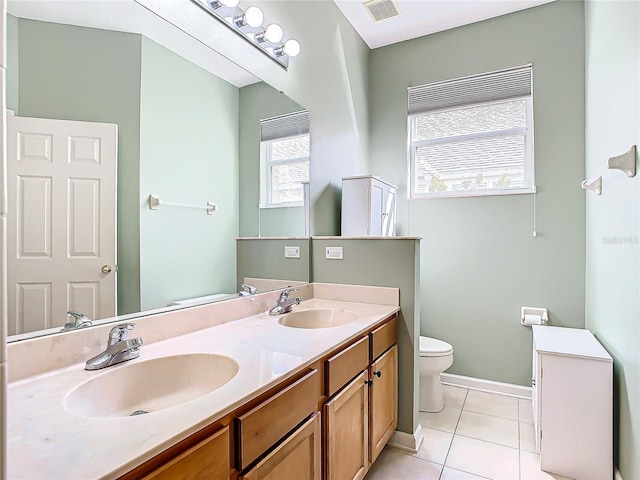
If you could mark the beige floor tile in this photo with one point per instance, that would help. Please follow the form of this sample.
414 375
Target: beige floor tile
488 428
530 468
392 465
528 438
445 420
452 474
454 396
483 458
525 411
435 445
492 404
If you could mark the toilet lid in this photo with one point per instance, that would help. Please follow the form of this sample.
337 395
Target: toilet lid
432 347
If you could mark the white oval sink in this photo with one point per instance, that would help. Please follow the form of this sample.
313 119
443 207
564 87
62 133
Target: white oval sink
319 318
150 386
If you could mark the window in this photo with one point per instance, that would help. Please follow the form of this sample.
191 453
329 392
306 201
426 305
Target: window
284 158
472 136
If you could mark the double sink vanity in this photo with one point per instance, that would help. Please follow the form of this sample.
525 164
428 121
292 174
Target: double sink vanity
218 391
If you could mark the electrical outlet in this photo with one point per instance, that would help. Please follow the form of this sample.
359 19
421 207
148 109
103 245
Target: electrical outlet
333 253
291 252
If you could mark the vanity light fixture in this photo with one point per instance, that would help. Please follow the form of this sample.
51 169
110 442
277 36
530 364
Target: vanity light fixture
291 48
249 25
272 34
253 17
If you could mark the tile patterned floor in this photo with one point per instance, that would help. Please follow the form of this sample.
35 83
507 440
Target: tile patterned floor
478 435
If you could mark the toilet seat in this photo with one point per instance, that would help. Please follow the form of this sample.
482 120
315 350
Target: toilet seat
432 347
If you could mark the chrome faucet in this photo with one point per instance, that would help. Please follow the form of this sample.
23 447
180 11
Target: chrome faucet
119 348
285 303
246 289
80 320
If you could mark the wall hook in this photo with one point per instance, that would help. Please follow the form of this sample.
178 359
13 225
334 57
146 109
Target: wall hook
594 185
625 162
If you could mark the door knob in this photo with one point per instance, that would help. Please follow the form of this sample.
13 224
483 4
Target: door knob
106 269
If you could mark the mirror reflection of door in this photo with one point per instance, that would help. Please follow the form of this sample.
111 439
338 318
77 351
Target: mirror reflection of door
61 248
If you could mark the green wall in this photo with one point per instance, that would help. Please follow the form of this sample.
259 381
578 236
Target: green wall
397 265
264 258
480 262
613 219
257 102
329 78
188 154
11 79
76 73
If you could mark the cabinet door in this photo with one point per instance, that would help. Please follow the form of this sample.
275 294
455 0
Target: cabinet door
388 211
299 456
347 431
208 460
376 209
535 395
383 401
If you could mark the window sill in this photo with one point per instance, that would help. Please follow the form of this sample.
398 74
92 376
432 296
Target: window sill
283 205
478 193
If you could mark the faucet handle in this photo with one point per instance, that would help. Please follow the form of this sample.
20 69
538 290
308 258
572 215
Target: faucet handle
250 289
119 332
284 295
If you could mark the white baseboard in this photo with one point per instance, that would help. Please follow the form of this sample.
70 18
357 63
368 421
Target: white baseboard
407 441
617 475
486 385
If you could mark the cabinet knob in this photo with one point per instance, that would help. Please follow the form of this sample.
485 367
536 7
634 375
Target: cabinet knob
378 373
368 382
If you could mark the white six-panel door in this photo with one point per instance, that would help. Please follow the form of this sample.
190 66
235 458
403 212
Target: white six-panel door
61 248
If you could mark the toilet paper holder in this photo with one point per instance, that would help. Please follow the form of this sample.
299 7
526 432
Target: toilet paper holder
533 316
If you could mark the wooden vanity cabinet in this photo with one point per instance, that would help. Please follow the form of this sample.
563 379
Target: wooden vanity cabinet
362 416
267 423
207 460
346 420
298 457
330 421
383 401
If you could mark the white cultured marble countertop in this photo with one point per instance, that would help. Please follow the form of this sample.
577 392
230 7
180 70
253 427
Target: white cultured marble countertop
44 441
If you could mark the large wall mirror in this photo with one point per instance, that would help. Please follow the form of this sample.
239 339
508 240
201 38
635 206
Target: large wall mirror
109 83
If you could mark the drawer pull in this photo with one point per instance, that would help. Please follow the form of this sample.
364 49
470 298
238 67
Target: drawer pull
368 382
378 373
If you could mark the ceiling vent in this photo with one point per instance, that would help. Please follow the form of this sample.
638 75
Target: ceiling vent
381 9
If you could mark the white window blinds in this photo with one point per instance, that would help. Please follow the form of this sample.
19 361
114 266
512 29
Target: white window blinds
284 126
487 87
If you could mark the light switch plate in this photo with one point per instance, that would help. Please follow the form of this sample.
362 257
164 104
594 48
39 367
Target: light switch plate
291 252
333 253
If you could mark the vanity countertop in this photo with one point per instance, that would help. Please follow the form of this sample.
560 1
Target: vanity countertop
44 441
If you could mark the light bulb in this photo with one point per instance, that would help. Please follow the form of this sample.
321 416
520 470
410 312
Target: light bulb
291 47
273 33
253 17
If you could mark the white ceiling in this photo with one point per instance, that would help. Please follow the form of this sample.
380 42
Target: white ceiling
422 17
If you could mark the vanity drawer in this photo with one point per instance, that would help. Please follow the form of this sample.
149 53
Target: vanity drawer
207 459
342 367
260 428
383 337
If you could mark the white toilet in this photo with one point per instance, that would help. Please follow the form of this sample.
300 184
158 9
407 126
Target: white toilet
435 357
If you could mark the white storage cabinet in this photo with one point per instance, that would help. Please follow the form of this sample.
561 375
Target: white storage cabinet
572 403
368 207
